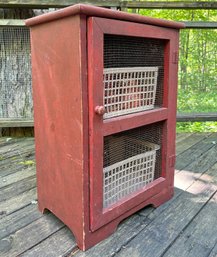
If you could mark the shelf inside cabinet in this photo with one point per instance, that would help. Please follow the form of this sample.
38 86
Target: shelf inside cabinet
130 121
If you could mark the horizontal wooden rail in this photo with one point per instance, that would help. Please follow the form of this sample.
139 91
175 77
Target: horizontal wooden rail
40 4
169 5
188 24
12 123
11 22
185 117
110 3
181 117
200 25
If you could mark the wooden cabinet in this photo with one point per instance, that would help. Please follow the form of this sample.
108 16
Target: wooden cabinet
104 88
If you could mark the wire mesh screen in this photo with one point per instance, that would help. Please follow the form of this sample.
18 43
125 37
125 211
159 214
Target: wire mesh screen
132 159
129 90
15 73
127 51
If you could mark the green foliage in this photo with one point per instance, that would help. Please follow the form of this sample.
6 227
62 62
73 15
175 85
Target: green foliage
196 126
193 101
28 163
197 88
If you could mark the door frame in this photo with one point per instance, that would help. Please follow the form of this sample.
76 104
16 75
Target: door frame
98 128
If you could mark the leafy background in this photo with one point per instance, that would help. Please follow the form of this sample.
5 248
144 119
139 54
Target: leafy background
197 87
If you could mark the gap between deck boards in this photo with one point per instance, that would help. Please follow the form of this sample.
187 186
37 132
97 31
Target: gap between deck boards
144 224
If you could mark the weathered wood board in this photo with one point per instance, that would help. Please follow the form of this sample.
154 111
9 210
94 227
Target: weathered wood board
182 227
15 73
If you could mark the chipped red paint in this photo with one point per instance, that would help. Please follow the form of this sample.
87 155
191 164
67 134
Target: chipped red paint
67 68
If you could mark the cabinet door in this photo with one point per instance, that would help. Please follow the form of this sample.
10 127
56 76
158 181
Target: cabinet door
132 80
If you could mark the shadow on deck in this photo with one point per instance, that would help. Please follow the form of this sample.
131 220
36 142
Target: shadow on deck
184 226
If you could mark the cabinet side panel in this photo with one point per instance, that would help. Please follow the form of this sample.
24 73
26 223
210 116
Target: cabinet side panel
58 113
172 74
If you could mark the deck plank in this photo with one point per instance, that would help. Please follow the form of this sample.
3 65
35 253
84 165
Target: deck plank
190 155
17 165
163 231
17 175
11 223
30 235
18 162
187 142
125 233
58 244
214 251
16 158
185 178
9 140
24 231
17 188
203 162
178 208
15 148
199 238
182 136
18 202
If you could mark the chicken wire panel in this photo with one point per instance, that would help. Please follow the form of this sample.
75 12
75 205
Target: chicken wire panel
128 52
132 159
15 73
128 90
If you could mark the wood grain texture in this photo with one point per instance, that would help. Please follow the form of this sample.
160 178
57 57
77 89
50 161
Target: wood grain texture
158 214
191 154
126 231
12 147
182 136
162 232
15 73
202 25
18 202
184 226
183 180
16 166
185 117
58 244
213 253
17 188
17 176
187 141
199 237
60 97
203 162
19 219
25 238
10 123
16 156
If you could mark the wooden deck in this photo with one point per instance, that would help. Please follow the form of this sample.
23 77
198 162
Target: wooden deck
184 226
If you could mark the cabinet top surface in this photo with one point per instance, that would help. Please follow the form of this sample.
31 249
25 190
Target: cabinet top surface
93 11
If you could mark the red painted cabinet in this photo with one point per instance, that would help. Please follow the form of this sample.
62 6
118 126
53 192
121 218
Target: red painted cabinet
104 88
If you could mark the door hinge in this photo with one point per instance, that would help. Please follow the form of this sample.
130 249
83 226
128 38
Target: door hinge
175 57
172 161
